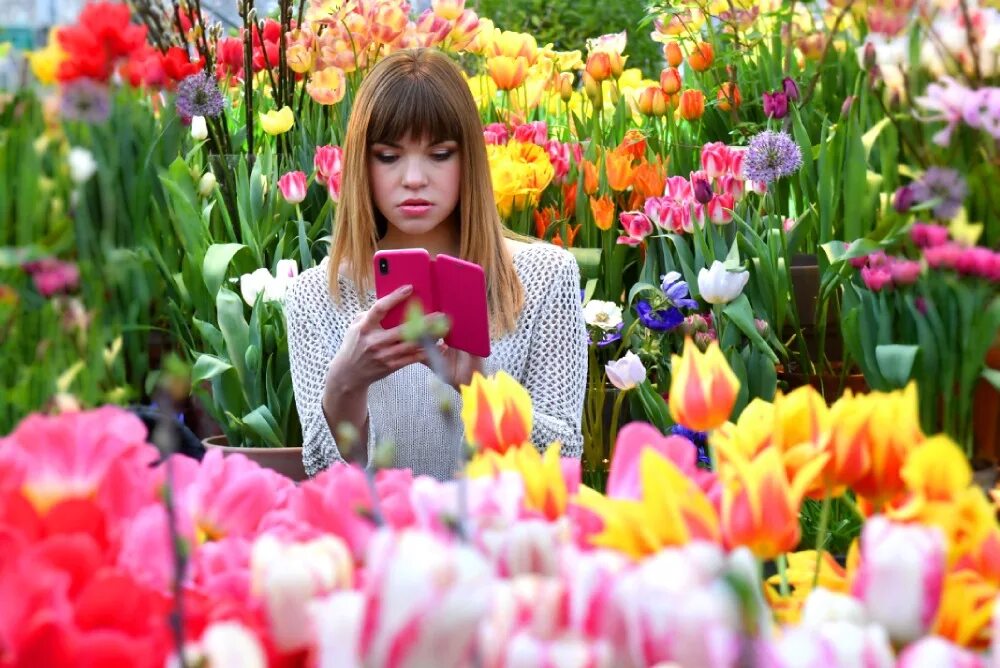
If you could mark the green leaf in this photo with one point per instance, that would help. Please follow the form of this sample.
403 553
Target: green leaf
895 362
263 425
216 264
654 406
589 261
207 367
991 376
741 314
235 332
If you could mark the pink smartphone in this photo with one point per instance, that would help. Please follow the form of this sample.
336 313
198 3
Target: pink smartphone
396 268
460 293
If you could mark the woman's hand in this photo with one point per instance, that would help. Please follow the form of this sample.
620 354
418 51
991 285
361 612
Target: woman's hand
370 353
459 366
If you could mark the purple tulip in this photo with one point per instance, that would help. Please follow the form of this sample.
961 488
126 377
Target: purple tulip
775 104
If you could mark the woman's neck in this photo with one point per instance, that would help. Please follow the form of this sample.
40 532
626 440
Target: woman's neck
443 239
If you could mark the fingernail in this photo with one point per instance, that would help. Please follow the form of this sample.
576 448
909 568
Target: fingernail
406 289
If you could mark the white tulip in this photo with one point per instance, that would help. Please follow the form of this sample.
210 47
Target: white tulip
603 315
207 183
274 287
81 165
199 129
627 372
718 285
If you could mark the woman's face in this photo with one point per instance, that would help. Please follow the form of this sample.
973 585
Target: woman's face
415 184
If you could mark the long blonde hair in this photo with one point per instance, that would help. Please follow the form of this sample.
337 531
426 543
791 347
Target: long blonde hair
420 92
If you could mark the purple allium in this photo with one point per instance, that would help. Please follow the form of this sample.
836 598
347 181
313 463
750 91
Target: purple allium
677 290
942 184
85 100
199 95
659 320
770 156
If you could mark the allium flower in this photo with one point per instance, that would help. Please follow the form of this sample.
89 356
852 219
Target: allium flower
659 320
944 184
199 95
770 156
85 100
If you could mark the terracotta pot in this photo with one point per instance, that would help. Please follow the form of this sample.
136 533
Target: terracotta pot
286 461
805 280
986 413
830 385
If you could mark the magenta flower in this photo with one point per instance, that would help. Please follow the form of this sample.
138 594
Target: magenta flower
496 133
293 187
905 272
775 104
926 235
535 132
876 278
637 226
945 255
701 188
790 88
715 159
52 276
720 209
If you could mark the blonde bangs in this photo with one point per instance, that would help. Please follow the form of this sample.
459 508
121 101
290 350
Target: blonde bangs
421 93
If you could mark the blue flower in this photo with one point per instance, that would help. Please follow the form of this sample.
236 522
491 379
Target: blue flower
611 337
662 320
699 440
677 291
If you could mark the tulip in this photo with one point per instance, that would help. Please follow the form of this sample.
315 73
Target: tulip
701 188
701 57
328 162
565 86
627 372
718 285
207 183
199 130
715 159
670 80
876 278
599 66
692 104
227 643
672 54
775 105
618 168
496 413
389 23
720 209
277 122
652 101
327 86
729 96
449 10
594 91
464 30
513 45
790 88
81 165
703 388
603 210
938 652
508 73
637 227
293 187
900 576
273 287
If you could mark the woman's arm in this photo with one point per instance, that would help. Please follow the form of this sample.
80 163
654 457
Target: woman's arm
556 369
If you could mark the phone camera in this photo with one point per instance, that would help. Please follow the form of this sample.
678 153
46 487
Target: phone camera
383 266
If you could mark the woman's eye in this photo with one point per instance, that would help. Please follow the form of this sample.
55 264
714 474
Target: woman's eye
441 156
386 158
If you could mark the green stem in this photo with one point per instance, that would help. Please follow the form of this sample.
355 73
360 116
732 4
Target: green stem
782 562
615 413
824 520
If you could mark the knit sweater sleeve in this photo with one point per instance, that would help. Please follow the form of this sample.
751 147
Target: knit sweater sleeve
556 366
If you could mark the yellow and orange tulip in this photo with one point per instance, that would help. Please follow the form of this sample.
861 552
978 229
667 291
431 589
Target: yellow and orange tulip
701 57
652 101
670 80
603 210
507 72
496 413
545 488
599 66
672 54
893 430
703 387
618 168
692 104
328 86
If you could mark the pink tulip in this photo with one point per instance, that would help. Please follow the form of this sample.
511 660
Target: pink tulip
905 272
496 133
735 165
720 209
534 132
624 478
637 227
944 256
559 156
329 165
900 577
926 235
293 187
876 278
715 159
52 276
678 188
938 652
731 185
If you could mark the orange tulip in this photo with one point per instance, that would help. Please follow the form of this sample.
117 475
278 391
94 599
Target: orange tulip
729 96
565 86
703 388
388 23
701 57
670 80
672 54
603 210
760 505
599 66
589 177
571 232
327 86
633 144
618 167
652 102
543 220
508 73
692 104
649 179
496 413
617 62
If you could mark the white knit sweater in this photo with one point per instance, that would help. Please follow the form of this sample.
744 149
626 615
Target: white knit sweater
547 354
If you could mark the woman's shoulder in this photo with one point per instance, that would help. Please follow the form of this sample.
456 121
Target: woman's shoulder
540 258
310 290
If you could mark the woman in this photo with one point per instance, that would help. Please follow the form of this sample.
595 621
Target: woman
416 175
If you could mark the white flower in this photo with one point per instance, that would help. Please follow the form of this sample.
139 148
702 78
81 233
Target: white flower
273 286
199 130
81 165
627 372
603 315
224 645
719 285
207 183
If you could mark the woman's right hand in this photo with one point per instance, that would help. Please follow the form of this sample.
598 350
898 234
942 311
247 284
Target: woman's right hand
370 353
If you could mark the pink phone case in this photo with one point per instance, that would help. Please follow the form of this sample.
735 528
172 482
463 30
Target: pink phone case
395 268
460 292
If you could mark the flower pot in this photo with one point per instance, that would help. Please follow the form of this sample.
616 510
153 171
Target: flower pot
805 280
286 461
986 412
830 385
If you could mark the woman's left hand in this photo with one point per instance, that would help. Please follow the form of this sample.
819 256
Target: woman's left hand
459 366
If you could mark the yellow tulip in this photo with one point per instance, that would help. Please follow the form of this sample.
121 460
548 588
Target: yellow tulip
277 122
544 484
514 45
45 62
496 412
300 57
327 86
966 609
800 575
703 388
507 72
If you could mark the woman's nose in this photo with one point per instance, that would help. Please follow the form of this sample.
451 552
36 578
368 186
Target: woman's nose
414 175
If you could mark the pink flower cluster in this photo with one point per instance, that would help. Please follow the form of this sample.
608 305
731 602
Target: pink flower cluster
879 271
711 192
52 276
953 103
329 164
562 155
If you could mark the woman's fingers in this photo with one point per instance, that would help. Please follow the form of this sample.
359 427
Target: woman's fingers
382 306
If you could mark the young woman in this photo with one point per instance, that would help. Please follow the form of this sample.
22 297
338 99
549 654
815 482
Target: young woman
416 175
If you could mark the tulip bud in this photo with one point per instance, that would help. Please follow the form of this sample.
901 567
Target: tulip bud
599 66
869 56
903 199
207 183
670 80
701 57
199 129
617 61
692 104
729 96
592 88
565 86
702 189
672 54
790 88
761 326
775 104
652 101
845 108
